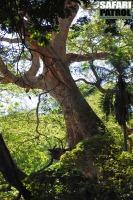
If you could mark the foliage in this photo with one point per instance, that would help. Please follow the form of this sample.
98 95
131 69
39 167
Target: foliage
96 40
14 99
57 183
43 17
43 10
26 145
98 148
115 165
65 181
112 103
7 192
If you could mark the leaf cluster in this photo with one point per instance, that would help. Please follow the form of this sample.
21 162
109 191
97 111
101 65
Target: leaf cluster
43 14
64 181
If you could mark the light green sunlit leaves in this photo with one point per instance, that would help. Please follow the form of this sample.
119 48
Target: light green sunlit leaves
28 148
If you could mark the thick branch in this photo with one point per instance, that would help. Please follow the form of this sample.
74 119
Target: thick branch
59 39
22 81
72 57
35 65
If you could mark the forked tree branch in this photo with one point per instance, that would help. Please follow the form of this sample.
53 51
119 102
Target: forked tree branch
22 81
97 85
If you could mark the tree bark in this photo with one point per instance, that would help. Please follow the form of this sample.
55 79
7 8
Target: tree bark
81 121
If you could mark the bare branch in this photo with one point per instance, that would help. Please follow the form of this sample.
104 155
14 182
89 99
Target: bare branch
94 71
38 120
72 57
84 80
97 85
10 40
99 80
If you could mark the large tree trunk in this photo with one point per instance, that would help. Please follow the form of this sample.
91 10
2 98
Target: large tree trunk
81 121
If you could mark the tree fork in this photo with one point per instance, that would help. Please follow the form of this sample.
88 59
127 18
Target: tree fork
81 121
